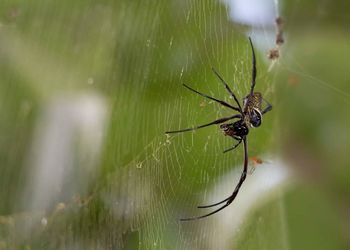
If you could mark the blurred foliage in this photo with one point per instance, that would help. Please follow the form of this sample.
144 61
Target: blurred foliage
137 55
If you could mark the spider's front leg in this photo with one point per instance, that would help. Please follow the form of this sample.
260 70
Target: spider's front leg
268 108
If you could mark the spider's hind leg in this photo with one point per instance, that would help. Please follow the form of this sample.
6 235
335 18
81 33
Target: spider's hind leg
215 204
234 146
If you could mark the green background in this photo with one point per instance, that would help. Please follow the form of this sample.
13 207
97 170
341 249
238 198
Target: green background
138 55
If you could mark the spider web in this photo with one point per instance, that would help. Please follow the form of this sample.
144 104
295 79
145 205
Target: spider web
148 180
102 173
189 169
183 171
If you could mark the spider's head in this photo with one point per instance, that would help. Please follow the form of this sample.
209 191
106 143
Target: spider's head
238 128
255 118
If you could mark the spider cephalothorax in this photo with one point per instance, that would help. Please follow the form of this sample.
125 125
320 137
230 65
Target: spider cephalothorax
249 116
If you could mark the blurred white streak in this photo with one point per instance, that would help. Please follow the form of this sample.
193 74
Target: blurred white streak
268 178
252 12
65 151
260 15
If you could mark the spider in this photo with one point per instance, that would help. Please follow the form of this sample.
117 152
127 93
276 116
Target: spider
249 116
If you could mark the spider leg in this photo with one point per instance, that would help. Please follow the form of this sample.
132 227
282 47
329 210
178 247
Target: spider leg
231 198
215 204
206 215
241 180
268 108
253 67
232 148
221 120
212 98
228 89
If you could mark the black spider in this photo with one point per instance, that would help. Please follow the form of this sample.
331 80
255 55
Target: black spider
249 116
